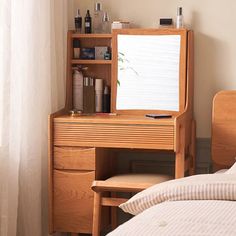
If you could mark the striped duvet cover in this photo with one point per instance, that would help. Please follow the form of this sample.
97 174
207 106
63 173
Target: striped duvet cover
194 205
183 218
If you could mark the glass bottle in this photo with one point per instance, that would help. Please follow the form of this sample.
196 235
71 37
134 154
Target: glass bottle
77 88
78 22
179 19
88 23
106 100
97 19
106 27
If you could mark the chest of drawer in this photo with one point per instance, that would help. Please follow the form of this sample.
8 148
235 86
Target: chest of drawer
74 158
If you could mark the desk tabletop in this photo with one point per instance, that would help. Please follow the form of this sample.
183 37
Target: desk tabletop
110 118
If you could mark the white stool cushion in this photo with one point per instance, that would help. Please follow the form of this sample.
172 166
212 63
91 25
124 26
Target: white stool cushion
139 178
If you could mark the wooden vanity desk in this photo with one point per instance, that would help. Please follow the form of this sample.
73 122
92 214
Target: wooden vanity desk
80 147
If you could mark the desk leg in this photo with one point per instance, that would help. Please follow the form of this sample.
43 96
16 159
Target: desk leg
192 149
180 156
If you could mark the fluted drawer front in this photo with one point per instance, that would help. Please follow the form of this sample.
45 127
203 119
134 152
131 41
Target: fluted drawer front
109 135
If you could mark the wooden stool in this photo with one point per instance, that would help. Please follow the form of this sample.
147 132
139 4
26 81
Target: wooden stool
132 183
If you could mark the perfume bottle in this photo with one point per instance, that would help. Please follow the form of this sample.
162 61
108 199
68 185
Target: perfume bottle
106 100
88 95
88 23
179 19
106 27
77 88
76 48
97 19
78 22
98 95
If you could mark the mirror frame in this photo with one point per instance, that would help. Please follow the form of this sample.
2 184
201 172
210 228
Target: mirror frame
182 65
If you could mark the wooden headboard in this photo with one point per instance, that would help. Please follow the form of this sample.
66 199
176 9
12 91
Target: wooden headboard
223 146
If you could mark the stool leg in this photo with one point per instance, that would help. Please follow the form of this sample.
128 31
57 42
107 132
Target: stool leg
113 214
97 214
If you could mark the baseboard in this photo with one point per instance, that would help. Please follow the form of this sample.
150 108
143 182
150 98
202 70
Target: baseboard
203 156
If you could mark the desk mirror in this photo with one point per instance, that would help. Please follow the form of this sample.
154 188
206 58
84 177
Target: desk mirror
148 70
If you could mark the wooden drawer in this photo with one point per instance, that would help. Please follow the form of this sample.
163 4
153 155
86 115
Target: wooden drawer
113 135
74 158
73 201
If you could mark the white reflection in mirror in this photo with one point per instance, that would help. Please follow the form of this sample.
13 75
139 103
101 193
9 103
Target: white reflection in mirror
148 72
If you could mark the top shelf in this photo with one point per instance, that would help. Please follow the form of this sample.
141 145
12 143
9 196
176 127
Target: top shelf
91 36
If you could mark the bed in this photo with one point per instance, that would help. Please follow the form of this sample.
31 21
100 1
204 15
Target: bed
194 205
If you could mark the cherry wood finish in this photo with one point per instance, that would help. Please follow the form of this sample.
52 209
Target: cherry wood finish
74 158
50 167
91 62
131 183
224 129
73 201
81 133
99 187
183 33
81 147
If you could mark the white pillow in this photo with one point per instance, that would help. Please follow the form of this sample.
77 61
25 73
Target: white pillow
232 169
196 187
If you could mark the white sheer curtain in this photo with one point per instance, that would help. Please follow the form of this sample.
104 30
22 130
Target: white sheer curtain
32 73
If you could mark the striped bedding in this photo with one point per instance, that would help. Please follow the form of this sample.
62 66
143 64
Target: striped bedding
183 218
197 187
195 205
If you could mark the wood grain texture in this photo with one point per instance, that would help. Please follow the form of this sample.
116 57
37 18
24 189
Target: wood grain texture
93 41
180 155
101 70
68 103
50 174
192 149
125 136
70 196
120 186
97 214
104 163
190 137
74 158
89 36
89 62
182 65
120 183
95 68
114 216
113 118
224 129
113 201
50 167
184 128
73 201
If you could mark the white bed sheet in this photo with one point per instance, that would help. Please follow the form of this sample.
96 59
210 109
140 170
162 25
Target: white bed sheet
183 218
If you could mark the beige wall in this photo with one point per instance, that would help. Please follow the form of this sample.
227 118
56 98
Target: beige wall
213 22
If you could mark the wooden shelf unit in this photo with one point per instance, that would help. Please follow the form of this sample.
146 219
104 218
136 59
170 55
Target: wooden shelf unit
95 68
